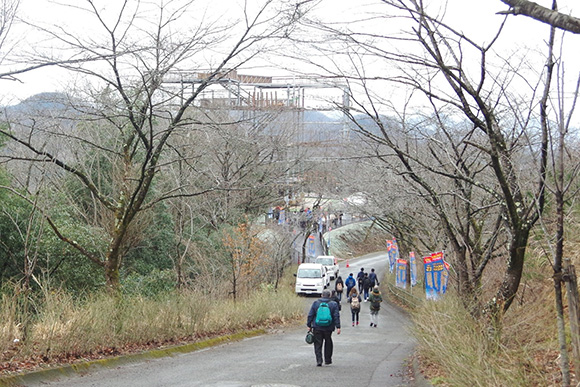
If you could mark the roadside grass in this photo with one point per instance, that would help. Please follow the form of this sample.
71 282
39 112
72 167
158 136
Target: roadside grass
459 350
63 328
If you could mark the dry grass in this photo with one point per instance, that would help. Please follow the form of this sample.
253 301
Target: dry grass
458 350
66 328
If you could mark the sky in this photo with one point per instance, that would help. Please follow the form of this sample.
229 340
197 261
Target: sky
478 19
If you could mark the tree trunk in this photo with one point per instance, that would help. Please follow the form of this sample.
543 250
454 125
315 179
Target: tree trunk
306 235
112 275
513 274
564 361
465 281
572 290
113 261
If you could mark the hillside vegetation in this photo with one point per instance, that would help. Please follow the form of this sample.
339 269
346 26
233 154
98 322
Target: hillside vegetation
457 348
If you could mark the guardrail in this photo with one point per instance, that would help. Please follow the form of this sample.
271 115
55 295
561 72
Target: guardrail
407 298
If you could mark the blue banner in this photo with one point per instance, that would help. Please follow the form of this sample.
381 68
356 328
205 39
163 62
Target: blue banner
393 252
436 275
413 268
430 291
311 247
401 275
389 247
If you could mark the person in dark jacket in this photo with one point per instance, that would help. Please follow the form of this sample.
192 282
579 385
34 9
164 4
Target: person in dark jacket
360 276
334 297
339 287
373 278
375 299
323 335
366 285
350 283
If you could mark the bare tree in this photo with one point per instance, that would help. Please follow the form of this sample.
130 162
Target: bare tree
127 97
246 155
546 15
8 16
482 162
565 171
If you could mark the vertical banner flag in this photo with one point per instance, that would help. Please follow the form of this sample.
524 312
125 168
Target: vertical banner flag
393 254
401 275
430 292
438 268
413 268
389 247
311 248
436 275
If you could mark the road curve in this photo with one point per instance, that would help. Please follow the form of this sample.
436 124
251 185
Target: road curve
363 356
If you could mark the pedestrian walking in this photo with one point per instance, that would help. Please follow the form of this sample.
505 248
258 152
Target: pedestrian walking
334 297
323 318
359 279
374 279
354 300
366 284
375 299
350 283
339 287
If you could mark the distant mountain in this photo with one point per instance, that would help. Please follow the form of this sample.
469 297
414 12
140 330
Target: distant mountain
40 102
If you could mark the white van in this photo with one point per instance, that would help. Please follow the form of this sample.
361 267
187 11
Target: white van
311 278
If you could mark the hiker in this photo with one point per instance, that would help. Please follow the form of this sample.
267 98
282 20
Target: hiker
334 297
350 283
366 284
359 279
374 279
375 299
322 328
339 287
354 300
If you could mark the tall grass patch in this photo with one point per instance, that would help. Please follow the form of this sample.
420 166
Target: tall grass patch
9 327
470 354
67 327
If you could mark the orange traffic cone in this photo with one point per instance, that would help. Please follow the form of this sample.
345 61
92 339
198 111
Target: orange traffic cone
347 265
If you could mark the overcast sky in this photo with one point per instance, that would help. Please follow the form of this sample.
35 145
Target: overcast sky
477 18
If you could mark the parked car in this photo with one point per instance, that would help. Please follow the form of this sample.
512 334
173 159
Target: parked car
311 278
331 264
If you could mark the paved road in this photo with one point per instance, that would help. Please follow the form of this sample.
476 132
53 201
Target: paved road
363 356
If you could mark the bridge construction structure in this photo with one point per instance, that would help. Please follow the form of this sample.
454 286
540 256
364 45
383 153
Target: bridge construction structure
311 108
241 91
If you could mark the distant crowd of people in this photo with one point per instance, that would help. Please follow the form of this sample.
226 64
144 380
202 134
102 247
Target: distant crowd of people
324 315
321 221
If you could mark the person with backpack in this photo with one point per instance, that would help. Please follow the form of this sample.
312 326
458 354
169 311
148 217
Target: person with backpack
374 279
354 300
359 279
323 318
366 284
375 299
339 287
334 297
350 283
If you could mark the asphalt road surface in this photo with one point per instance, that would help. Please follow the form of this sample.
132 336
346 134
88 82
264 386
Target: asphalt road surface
363 356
